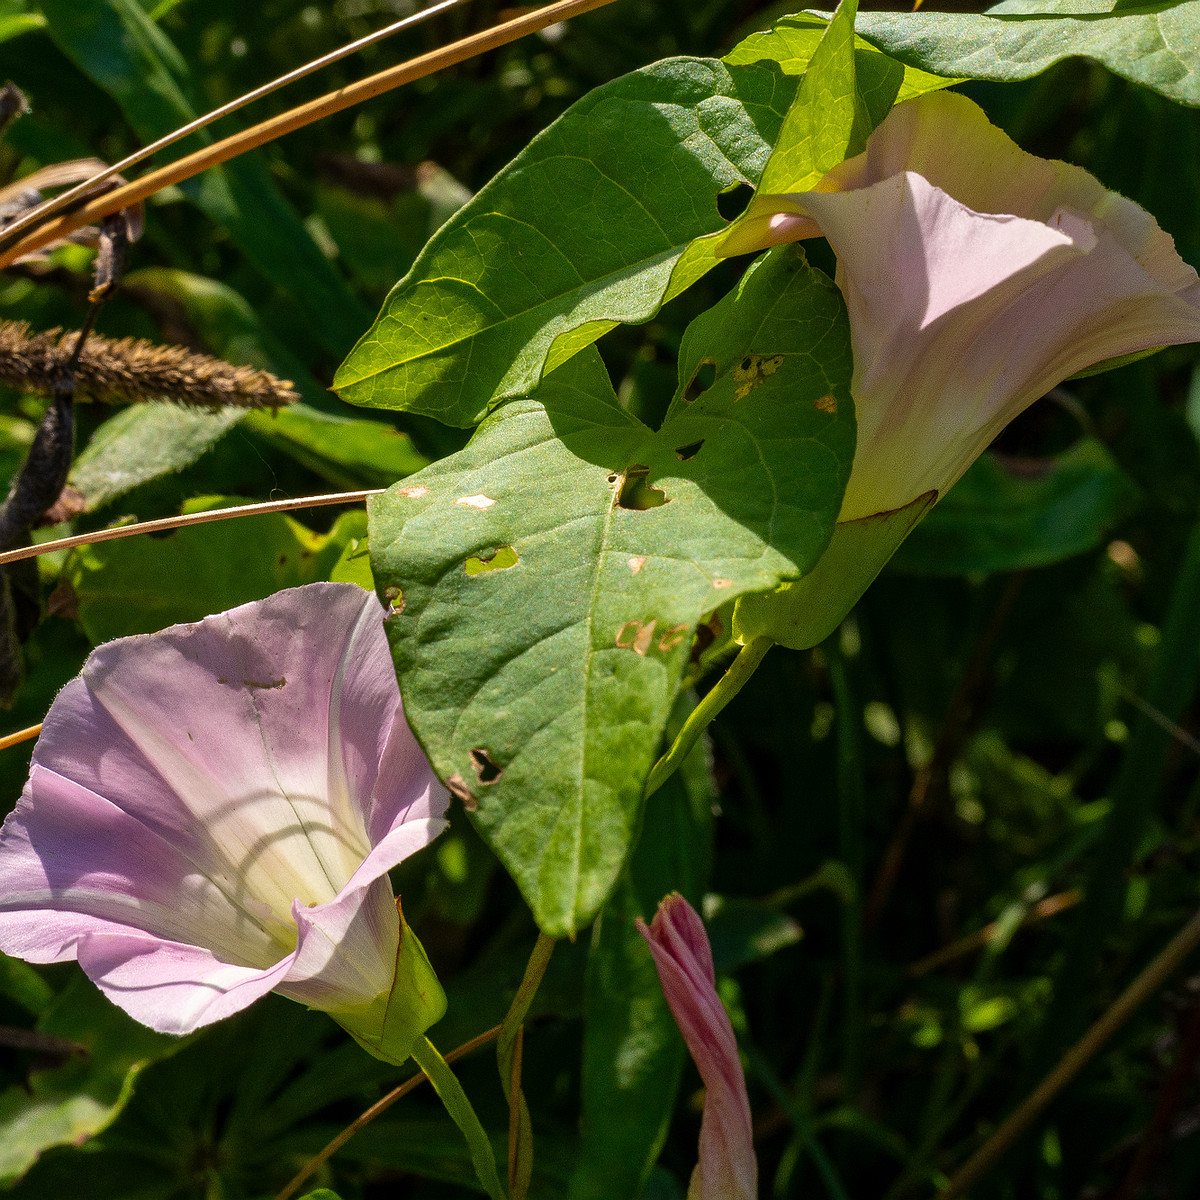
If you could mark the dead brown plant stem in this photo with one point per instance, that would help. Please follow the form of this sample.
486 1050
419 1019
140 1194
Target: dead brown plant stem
162 524
303 114
955 727
323 1156
22 735
1049 907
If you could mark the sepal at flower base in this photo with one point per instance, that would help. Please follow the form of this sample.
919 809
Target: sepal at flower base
391 1025
803 614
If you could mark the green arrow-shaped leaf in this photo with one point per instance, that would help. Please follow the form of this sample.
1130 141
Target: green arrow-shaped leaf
540 689
1156 45
593 224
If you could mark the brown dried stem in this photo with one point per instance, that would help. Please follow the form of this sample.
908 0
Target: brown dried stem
296 118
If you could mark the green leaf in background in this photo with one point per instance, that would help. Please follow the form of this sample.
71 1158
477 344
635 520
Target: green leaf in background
1009 516
64 1105
793 41
142 443
529 272
1156 45
124 52
626 1112
142 584
349 453
14 26
541 690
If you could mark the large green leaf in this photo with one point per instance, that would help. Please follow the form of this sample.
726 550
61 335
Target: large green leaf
548 577
793 41
997 518
593 224
1157 45
115 44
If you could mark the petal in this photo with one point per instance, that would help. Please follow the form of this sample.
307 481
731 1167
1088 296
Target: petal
217 736
727 1169
171 987
960 320
74 863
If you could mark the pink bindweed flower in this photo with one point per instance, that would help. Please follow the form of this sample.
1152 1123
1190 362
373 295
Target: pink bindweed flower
727 1169
211 814
977 277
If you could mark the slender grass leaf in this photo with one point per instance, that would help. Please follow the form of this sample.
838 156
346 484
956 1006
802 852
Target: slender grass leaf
1156 45
595 223
541 690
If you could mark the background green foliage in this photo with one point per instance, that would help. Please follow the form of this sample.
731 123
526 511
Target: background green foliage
990 719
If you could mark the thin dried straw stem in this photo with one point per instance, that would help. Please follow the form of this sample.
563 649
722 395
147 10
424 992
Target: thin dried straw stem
22 735
48 208
379 1106
296 118
165 523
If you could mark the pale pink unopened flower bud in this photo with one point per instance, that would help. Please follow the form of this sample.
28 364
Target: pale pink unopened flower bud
211 815
977 277
727 1169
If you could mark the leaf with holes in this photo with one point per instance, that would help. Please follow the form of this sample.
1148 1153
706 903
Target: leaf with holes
595 223
540 687
1155 44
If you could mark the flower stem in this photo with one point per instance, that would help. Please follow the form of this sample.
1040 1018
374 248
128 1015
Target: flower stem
1140 990
451 1094
380 1106
508 1059
699 719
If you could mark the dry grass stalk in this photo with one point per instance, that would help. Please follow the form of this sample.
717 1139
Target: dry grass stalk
129 370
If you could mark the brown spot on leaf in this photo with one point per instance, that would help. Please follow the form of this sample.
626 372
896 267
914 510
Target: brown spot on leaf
480 501
826 404
673 637
415 492
636 563
266 687
722 583
457 787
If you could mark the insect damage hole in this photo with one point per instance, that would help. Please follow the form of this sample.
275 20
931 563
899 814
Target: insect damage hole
485 765
684 453
636 493
703 377
499 559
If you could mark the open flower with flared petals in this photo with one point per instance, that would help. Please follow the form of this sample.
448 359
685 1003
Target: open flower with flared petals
727 1169
211 814
977 277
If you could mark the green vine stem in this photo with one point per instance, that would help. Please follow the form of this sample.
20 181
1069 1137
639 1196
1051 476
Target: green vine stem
508 1059
451 1094
699 719
1139 991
